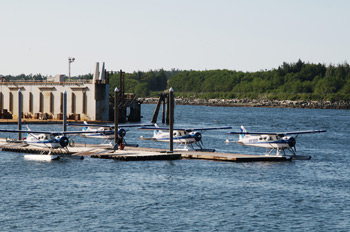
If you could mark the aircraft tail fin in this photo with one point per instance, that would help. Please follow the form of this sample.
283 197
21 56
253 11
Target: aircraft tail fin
155 132
85 127
27 133
242 130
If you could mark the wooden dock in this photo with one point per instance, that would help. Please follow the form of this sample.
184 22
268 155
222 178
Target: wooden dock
217 156
230 157
139 154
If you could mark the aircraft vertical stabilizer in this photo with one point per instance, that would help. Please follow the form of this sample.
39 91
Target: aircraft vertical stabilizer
85 127
242 130
155 132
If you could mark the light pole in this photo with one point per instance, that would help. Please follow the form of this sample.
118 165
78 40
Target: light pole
70 60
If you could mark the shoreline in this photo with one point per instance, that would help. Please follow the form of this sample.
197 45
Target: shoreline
255 103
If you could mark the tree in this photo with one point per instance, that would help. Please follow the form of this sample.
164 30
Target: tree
142 90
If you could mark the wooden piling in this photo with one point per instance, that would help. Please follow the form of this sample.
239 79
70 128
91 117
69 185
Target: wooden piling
116 117
20 104
167 109
171 119
64 111
156 110
163 110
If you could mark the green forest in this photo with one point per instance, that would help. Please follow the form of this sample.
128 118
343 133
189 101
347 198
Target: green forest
290 81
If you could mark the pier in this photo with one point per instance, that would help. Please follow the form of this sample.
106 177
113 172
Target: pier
138 153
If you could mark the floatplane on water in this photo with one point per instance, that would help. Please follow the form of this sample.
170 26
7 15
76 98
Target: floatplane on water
106 132
279 141
44 139
182 136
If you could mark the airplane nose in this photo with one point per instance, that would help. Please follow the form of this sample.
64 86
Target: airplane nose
64 141
198 136
122 132
291 141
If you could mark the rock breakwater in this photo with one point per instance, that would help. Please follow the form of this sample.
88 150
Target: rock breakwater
256 103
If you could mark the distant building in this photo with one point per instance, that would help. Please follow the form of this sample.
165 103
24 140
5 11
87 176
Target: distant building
57 78
86 100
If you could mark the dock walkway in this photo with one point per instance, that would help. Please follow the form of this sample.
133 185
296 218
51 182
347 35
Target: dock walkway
139 153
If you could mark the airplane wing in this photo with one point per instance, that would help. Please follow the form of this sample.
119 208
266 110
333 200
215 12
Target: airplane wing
143 138
279 133
185 129
48 132
211 128
108 126
90 125
82 132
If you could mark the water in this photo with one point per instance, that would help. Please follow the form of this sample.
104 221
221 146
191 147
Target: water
190 195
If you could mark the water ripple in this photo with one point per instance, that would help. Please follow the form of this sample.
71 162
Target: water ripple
190 195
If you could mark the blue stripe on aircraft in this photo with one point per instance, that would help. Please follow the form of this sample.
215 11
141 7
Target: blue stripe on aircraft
273 142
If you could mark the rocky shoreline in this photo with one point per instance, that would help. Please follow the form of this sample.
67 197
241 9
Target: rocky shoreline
256 103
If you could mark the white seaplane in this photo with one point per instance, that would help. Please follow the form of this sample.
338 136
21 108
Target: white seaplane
51 140
106 132
279 141
183 136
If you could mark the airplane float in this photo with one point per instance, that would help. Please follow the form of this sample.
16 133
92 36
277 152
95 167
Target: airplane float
279 141
106 132
183 136
45 139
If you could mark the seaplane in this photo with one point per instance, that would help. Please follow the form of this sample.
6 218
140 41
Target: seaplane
106 132
186 137
279 141
44 139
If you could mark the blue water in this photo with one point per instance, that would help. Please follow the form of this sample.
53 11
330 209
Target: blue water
190 195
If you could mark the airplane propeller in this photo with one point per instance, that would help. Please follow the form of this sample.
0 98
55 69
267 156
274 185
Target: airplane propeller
292 142
198 136
122 132
64 141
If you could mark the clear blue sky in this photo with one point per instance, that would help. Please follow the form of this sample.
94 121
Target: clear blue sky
38 36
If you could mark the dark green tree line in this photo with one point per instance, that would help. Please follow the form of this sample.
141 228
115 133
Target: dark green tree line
302 81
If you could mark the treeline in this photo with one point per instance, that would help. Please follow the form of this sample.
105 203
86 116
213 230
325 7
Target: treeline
295 81
290 81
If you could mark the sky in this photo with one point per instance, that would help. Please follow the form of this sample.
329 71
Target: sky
38 36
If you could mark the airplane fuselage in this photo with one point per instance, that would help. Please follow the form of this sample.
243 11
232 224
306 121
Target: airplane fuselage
43 140
178 136
267 141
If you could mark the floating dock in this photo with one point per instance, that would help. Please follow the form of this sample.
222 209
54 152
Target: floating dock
230 157
138 153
